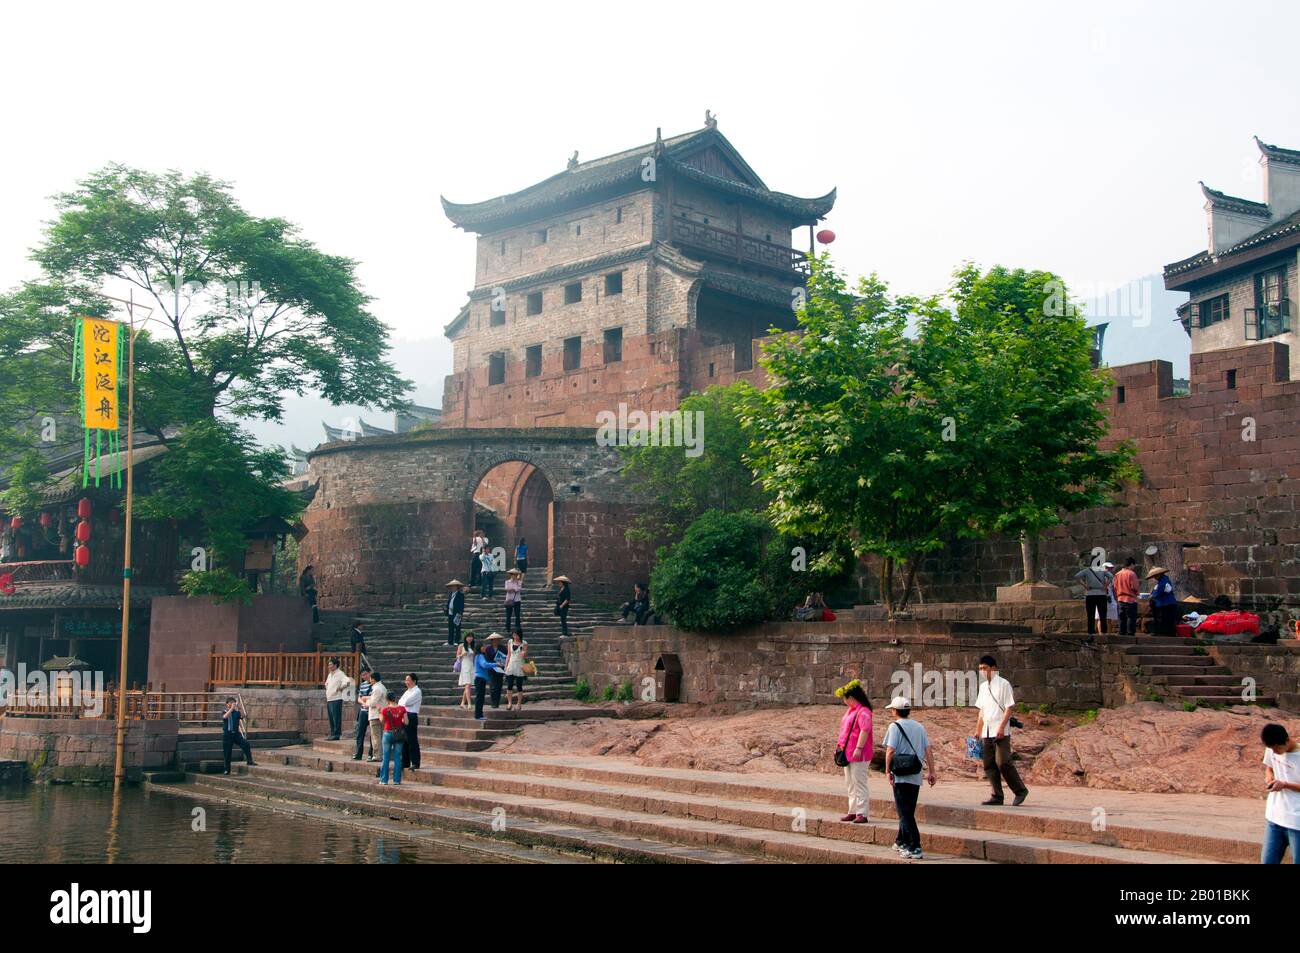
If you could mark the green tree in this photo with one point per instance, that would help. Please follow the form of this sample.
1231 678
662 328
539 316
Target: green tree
675 489
216 482
1012 379
244 310
843 438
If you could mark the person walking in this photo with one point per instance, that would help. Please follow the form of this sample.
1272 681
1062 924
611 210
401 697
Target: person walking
465 653
563 600
487 575
993 729
484 667
854 749
1126 597
338 689
476 547
521 556
364 687
1096 588
393 718
514 597
1282 809
307 589
907 753
233 735
358 640
516 676
410 701
455 610
1164 604
378 698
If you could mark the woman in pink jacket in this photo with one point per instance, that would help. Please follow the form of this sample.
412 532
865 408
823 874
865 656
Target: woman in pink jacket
854 748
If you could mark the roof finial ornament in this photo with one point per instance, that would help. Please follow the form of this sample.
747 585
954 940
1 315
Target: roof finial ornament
573 160
659 141
710 120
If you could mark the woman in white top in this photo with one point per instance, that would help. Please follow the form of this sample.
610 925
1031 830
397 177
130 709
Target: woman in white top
465 655
1282 811
516 657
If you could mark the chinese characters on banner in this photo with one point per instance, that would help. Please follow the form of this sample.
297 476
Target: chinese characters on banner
99 354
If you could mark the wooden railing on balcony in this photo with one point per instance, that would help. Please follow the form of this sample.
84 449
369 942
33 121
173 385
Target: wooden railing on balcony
743 249
276 669
189 708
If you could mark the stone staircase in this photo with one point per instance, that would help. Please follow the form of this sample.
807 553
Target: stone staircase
414 639
199 749
1180 671
628 812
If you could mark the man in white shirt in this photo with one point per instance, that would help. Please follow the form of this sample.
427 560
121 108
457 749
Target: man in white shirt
338 689
1282 810
993 728
411 700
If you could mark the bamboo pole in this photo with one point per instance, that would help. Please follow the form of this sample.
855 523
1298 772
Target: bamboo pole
119 757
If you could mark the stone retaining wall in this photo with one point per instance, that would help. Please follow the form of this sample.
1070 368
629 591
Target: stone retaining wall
797 663
82 749
288 709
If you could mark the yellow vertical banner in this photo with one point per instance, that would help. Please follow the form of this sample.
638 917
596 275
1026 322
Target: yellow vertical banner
99 341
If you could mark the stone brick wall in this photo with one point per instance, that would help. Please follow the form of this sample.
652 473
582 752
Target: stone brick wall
795 663
301 710
1275 668
1238 501
391 519
83 749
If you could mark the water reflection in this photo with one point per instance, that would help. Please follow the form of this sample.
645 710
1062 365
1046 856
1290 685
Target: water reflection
73 824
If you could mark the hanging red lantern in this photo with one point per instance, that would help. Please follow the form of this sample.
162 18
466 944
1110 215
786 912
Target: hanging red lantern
826 236
46 520
83 508
16 522
83 531
82 556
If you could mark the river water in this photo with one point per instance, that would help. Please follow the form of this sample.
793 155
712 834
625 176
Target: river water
75 824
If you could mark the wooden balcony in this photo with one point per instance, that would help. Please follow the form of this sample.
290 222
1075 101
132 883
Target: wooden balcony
741 249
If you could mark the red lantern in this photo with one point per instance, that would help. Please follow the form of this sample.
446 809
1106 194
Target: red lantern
46 520
83 531
83 508
16 522
826 236
82 556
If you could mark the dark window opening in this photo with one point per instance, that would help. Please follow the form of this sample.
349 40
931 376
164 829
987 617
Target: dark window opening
577 230
1232 380
573 293
614 283
1119 394
541 235
501 248
613 345
533 361
710 370
1212 311
535 302
618 215
572 353
497 369
498 313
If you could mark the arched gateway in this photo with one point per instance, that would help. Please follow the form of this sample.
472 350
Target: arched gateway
391 518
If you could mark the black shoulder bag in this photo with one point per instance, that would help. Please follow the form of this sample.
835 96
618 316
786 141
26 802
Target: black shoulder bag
906 763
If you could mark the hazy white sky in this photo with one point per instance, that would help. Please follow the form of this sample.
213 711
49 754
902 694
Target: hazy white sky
1068 137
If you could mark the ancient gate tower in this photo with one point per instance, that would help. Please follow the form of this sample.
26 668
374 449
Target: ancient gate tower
633 279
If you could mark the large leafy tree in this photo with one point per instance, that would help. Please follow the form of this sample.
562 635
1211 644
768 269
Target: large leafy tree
244 310
1010 368
844 438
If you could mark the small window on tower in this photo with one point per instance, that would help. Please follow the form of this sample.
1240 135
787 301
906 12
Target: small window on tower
540 235
533 361
573 293
614 283
501 247
535 302
1232 380
613 345
618 215
572 353
497 369
498 312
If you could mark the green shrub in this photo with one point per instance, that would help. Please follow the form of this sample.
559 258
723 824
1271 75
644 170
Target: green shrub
582 689
625 692
609 693
1088 717
1189 706
221 583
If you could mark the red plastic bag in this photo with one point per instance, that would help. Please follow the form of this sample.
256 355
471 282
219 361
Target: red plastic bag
828 615
1231 623
1184 630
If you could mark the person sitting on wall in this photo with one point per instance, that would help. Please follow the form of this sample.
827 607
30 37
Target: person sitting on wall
639 607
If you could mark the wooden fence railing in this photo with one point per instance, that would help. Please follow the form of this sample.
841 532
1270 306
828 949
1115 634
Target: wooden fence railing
276 669
189 708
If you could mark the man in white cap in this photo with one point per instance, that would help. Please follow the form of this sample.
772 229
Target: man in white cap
908 755
1096 590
